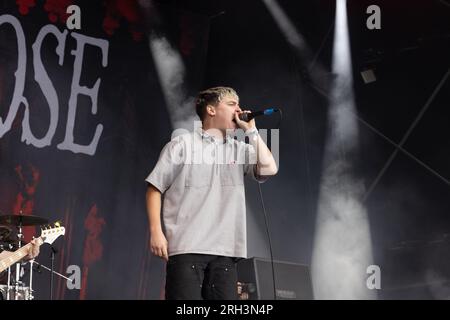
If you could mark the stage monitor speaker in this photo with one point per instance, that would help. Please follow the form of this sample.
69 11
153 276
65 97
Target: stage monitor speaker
292 280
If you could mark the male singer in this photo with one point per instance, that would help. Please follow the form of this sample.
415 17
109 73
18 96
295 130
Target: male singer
201 177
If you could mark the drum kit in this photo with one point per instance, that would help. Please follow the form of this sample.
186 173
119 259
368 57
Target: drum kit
14 252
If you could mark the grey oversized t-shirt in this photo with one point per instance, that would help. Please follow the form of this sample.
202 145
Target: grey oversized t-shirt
202 180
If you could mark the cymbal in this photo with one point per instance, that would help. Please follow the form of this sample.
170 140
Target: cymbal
22 220
4 232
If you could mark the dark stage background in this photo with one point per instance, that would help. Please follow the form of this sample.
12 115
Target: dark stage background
99 194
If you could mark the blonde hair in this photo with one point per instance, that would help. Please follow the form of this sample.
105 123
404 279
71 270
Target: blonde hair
212 96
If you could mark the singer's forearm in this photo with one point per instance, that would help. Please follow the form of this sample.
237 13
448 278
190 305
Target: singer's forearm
153 202
266 164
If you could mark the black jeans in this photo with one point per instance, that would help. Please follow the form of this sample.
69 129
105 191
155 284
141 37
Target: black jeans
201 276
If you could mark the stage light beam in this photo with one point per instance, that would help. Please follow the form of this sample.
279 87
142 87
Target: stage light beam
313 70
342 246
171 73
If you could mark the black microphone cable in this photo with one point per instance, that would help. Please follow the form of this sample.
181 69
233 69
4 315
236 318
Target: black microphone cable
269 239
266 222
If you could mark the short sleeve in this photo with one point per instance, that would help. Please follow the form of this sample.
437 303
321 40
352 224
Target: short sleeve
250 165
169 165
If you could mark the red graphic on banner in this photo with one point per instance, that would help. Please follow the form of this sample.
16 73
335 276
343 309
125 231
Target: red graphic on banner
29 177
25 5
57 9
116 10
93 247
187 42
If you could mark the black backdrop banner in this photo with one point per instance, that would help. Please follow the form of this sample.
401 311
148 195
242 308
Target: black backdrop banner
83 119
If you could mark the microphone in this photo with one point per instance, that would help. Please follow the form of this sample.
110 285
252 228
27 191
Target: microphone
249 116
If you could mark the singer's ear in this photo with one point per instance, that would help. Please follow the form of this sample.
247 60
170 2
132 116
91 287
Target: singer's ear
210 110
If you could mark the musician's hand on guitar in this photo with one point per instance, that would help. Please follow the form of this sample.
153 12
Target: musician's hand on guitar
34 249
158 245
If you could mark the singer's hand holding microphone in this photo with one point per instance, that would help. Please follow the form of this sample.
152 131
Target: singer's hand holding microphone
246 119
239 117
